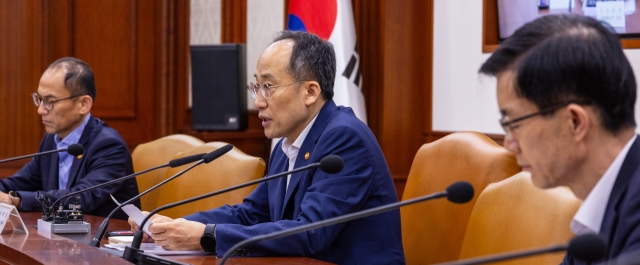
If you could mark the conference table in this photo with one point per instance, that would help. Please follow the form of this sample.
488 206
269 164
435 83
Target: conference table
41 247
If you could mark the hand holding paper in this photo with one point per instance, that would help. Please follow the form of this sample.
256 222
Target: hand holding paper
137 216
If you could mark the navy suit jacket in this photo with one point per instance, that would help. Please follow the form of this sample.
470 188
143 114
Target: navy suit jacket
621 223
106 157
314 195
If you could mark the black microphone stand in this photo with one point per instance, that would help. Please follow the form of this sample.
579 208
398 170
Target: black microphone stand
95 242
133 253
330 221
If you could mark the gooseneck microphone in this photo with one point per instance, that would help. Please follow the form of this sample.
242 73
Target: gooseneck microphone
72 149
587 247
173 163
459 192
330 164
102 229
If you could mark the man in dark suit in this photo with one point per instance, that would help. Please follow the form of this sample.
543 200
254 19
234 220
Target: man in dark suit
64 99
566 92
293 94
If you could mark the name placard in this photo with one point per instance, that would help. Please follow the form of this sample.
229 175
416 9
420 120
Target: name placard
10 215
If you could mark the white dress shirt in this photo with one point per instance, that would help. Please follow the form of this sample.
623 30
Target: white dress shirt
589 217
291 149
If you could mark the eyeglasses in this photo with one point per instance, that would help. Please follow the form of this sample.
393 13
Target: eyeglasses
264 88
509 125
48 102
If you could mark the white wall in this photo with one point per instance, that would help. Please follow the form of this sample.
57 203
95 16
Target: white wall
462 99
264 19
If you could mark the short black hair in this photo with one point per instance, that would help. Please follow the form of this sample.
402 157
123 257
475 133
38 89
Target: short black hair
312 59
78 78
563 58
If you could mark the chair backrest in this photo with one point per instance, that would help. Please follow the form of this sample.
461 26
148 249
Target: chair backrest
433 231
515 215
233 168
156 153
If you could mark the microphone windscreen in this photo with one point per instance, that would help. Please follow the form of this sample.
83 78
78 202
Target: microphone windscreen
331 164
587 247
75 149
217 153
460 192
185 160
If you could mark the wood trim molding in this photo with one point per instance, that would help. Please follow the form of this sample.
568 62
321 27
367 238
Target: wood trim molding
234 21
490 29
489 26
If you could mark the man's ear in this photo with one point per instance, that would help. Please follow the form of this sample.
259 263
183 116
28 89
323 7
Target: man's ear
580 121
313 92
86 102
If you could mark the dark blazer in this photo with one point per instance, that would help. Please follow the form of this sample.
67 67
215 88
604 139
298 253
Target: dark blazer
106 157
314 195
621 224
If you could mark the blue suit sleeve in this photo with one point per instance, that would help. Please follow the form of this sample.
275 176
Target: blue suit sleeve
326 196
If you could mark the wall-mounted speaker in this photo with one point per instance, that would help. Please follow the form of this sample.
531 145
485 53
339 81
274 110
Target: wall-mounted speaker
219 87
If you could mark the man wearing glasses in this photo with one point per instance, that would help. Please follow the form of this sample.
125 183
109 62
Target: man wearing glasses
64 98
566 93
293 93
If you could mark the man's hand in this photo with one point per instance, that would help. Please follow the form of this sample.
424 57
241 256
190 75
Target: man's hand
5 198
156 218
178 234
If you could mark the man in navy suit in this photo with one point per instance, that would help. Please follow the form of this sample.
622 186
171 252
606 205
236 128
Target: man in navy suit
566 92
293 93
64 99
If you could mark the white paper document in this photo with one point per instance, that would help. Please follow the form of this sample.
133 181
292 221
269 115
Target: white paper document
137 216
152 248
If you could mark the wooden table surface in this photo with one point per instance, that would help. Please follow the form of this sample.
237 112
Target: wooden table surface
40 247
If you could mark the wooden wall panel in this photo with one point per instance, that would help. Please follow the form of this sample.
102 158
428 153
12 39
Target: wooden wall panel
124 43
130 45
114 66
21 61
394 42
407 61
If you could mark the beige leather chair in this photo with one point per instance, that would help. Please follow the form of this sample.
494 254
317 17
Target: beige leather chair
233 168
433 231
156 153
515 215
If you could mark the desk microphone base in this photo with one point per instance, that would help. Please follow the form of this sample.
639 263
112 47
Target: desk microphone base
79 232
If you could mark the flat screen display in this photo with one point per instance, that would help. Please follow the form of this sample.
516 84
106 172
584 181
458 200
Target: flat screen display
624 15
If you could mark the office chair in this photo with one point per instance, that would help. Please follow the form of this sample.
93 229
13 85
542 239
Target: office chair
513 214
156 153
233 168
433 231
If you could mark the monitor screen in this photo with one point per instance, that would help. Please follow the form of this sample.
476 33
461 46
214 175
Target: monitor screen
622 15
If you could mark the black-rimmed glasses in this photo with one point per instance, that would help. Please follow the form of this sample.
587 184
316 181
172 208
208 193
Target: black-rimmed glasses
508 124
47 101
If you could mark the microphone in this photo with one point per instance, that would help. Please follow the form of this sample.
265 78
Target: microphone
205 159
459 192
330 164
173 163
72 149
587 247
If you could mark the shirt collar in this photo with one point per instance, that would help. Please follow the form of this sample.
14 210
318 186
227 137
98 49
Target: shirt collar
589 217
73 137
287 144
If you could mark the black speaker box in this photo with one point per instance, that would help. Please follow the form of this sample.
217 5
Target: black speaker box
219 87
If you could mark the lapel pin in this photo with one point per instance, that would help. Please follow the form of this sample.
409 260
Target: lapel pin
306 156
79 157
